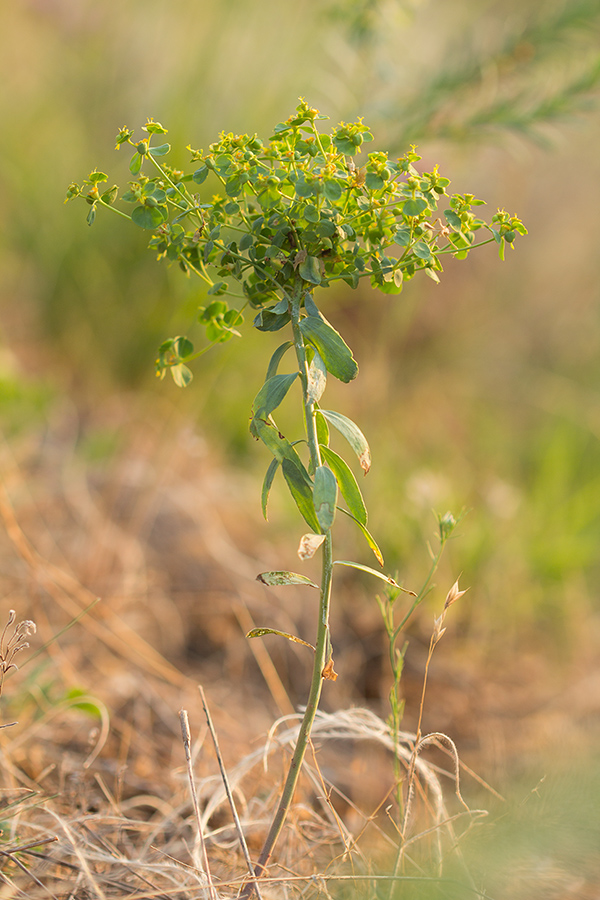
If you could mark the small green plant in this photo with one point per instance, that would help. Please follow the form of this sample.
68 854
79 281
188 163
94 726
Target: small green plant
292 214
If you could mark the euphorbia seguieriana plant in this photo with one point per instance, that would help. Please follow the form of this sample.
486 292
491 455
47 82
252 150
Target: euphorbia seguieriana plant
291 214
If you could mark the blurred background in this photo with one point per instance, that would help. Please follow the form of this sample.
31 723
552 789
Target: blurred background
480 393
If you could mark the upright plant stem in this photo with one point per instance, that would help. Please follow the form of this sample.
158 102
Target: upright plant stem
322 645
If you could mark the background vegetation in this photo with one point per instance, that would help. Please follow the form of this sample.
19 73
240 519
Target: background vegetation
480 393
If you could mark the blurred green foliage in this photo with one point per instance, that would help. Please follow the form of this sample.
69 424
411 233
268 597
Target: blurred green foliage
482 392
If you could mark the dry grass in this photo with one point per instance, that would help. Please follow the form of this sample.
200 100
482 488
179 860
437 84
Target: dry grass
94 789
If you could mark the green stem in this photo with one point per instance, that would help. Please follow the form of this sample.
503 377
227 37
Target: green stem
322 646
115 209
424 590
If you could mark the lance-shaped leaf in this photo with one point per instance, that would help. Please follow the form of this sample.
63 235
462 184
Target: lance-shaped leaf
267 484
325 496
367 535
387 578
270 396
276 578
347 483
276 359
317 378
333 349
353 435
260 632
280 447
310 306
301 492
322 428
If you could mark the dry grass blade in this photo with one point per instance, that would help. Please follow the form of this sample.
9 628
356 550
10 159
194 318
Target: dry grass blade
186 736
227 786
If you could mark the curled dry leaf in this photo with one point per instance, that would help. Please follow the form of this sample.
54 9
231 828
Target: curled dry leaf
309 544
328 672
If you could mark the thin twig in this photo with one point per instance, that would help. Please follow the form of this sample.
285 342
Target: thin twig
186 736
227 786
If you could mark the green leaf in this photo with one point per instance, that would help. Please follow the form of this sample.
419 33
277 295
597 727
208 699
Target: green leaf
276 359
322 429
149 217
111 195
271 394
277 578
301 492
421 249
183 347
393 286
353 435
332 348
136 163
367 535
267 484
414 207
280 447
348 485
345 145
310 270
200 174
373 181
325 496
161 150
402 236
267 320
260 632
332 189
325 228
453 219
91 216
355 565
304 188
219 287
310 306
181 375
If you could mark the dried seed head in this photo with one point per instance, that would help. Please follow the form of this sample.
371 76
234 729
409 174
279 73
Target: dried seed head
438 631
26 628
453 595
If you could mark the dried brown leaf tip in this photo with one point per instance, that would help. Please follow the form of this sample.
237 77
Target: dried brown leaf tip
309 544
453 594
328 672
